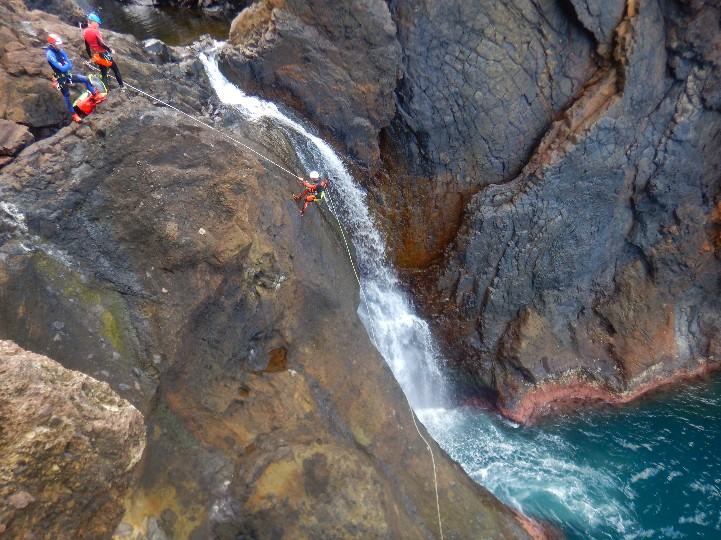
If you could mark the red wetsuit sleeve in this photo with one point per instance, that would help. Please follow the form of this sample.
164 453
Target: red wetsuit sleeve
94 40
308 185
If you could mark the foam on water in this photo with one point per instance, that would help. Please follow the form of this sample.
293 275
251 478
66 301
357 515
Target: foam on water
534 471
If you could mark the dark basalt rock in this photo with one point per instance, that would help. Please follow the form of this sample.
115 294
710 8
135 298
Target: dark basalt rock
157 256
598 259
337 61
545 163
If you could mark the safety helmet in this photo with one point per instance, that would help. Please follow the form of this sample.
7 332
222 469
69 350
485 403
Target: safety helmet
92 16
54 39
314 175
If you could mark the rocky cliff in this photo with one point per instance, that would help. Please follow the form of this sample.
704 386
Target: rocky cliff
149 252
547 170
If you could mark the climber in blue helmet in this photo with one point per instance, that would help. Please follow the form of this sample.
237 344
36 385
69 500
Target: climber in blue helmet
99 52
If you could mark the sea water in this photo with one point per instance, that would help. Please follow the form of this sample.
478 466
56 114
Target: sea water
651 469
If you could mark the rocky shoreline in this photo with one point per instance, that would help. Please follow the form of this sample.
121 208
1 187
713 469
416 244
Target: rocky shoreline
551 398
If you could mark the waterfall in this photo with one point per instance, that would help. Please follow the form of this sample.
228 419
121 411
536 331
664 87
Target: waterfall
402 338
586 474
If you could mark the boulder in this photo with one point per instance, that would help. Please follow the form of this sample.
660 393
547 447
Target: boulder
337 62
13 138
68 445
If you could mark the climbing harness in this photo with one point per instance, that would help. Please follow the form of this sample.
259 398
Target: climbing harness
350 257
103 59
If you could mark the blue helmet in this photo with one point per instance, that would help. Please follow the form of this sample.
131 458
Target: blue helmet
92 16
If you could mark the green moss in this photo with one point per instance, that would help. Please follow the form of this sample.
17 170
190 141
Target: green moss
360 436
64 280
90 298
111 331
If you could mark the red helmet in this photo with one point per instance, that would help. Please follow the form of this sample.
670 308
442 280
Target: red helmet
54 39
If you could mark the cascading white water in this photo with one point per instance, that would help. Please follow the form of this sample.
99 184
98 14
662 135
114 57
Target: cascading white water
400 336
569 474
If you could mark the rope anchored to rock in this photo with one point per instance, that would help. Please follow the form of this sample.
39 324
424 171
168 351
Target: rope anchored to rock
350 256
196 119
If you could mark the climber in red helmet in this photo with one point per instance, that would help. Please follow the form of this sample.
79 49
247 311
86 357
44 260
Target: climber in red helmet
314 190
62 75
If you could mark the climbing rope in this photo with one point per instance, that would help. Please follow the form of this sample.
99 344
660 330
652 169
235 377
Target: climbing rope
139 91
195 119
373 336
350 257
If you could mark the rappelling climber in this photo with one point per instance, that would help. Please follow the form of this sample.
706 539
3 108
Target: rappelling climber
314 190
99 52
62 76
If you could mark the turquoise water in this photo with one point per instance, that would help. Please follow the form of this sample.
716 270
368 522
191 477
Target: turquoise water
651 469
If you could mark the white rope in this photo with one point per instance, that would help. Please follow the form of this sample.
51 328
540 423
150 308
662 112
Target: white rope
195 119
350 257
375 341
214 129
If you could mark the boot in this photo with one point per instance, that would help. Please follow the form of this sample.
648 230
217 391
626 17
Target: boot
77 118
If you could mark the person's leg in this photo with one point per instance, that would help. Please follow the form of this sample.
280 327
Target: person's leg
301 196
116 72
66 96
104 74
83 79
309 199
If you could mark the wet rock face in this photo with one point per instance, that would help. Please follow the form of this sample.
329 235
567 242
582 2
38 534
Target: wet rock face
481 84
338 62
599 258
547 175
156 255
68 445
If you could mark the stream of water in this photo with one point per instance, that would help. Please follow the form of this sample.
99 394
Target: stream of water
648 470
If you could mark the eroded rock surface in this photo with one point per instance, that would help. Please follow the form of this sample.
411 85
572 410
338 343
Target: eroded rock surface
68 446
549 176
153 253
601 253
337 61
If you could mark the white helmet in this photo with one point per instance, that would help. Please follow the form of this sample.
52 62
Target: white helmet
314 175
